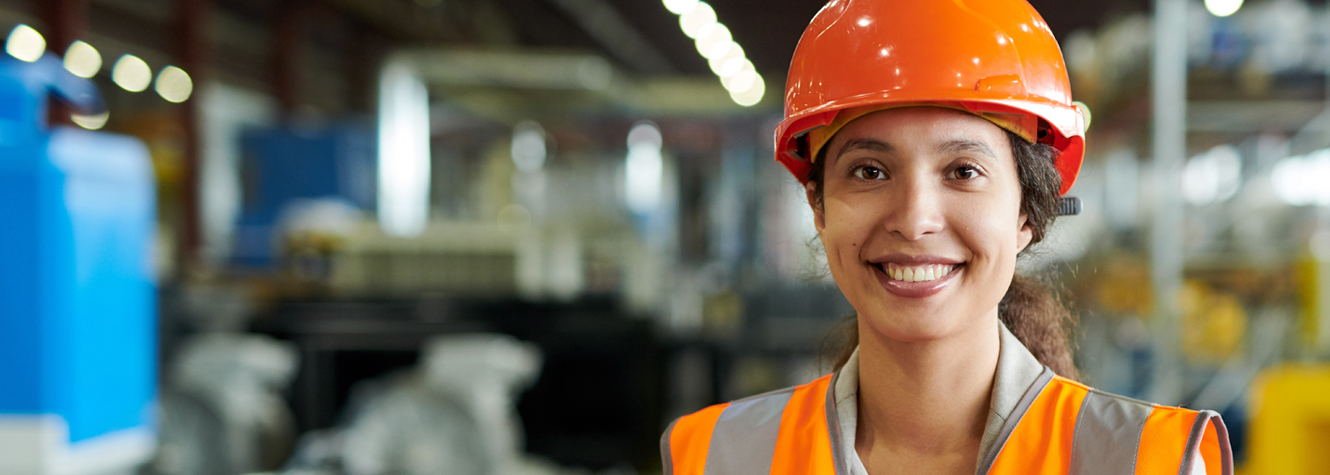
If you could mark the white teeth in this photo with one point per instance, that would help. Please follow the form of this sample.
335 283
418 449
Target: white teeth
917 273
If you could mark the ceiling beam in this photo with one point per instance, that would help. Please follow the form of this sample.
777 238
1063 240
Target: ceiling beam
396 17
604 24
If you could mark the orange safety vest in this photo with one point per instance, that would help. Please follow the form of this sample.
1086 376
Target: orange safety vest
1059 427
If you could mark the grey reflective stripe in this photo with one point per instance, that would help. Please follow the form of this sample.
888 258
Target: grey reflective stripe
744 441
1107 435
1194 443
666 458
1016 415
833 430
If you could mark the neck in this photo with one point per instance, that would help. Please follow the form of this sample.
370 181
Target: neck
925 400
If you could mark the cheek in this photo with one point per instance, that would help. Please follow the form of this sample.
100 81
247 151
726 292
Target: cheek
846 227
991 231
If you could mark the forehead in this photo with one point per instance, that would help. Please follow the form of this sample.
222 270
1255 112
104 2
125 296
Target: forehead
922 126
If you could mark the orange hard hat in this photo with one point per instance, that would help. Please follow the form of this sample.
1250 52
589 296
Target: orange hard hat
994 58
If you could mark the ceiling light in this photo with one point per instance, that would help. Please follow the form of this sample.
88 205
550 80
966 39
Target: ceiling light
699 21
91 122
716 42
26 43
528 147
740 81
733 66
643 168
645 134
404 151
734 51
82 59
1223 8
131 73
1212 176
174 85
679 7
1296 180
752 95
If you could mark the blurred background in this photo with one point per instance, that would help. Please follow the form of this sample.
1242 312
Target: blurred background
521 236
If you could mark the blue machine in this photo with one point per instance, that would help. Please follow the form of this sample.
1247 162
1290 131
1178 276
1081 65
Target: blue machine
284 164
77 296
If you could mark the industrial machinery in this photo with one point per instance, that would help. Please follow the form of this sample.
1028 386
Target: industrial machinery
77 294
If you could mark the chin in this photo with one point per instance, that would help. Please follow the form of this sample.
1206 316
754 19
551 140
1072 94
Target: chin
914 325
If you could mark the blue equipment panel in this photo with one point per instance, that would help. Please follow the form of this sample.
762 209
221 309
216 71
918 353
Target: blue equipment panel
77 292
282 165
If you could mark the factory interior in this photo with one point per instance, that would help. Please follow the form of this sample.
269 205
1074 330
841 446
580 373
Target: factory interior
418 237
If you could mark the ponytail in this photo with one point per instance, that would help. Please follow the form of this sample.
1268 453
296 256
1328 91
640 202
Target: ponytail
1039 320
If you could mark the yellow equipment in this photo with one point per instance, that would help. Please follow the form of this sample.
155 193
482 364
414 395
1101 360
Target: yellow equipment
1290 424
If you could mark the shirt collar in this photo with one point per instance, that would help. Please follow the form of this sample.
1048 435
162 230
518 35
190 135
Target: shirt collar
1017 370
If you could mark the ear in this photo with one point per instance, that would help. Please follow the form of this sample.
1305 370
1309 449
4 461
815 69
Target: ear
1025 235
810 192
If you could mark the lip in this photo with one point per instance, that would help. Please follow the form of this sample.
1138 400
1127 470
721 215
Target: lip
917 290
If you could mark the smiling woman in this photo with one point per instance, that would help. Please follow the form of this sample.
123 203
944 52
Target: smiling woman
934 140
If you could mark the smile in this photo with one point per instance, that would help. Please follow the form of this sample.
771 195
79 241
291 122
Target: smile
917 281
923 273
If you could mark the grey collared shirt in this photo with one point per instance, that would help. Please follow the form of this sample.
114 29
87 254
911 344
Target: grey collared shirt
1017 371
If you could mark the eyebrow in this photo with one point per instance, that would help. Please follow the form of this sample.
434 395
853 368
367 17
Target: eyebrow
866 144
966 145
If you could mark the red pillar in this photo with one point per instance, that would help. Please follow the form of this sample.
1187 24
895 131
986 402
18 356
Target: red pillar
194 55
286 50
66 21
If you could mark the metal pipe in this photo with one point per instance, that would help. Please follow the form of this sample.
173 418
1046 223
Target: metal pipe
1169 101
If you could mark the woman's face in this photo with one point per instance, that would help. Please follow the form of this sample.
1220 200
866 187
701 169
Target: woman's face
921 220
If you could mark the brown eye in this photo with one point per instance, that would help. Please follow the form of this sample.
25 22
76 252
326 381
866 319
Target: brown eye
869 173
965 173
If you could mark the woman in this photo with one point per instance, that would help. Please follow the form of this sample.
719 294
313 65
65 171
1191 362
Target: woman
934 139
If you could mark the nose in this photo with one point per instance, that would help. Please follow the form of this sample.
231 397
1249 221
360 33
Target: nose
914 209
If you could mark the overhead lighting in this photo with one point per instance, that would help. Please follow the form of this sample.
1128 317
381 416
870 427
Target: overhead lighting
82 59
752 95
716 42
174 84
679 7
734 66
699 21
643 168
404 151
528 147
1223 8
1212 176
1297 180
90 122
740 81
131 73
25 43
718 63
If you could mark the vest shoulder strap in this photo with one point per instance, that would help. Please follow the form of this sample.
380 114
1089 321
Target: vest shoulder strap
1174 438
780 432
1070 428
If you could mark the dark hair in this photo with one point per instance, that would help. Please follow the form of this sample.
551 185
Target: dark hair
1030 309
